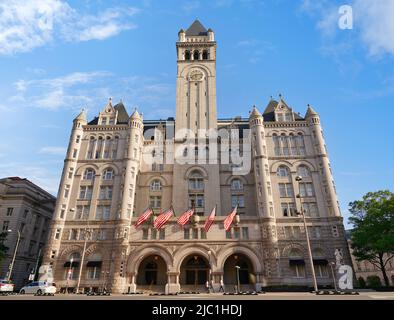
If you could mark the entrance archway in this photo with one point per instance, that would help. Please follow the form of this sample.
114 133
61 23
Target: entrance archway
152 274
194 274
245 275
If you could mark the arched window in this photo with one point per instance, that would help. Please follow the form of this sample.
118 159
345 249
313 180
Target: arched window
296 263
285 144
94 266
107 147
283 172
237 185
89 174
303 171
108 174
155 185
196 55
278 151
196 181
187 55
71 266
99 148
205 55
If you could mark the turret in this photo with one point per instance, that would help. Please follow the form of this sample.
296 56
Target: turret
211 35
181 36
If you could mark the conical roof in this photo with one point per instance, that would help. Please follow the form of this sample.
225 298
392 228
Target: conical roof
255 113
311 112
196 29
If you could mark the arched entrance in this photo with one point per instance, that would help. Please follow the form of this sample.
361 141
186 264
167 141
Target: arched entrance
152 274
194 274
245 274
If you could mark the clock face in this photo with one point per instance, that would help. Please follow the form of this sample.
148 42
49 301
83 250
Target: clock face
196 75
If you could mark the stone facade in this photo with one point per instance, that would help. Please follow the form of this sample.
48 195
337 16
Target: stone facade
26 208
117 166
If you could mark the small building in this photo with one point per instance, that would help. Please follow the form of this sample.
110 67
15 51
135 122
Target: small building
27 209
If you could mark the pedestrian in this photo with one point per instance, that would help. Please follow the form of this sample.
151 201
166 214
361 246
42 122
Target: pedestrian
221 289
207 286
212 287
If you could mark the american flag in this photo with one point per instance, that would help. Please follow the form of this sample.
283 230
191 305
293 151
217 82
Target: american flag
185 217
210 220
229 219
162 219
143 217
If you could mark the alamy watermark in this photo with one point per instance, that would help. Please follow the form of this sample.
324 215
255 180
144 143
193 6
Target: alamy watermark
345 21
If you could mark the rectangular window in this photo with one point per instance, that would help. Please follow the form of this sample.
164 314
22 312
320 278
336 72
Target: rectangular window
105 193
6 225
162 234
75 151
74 234
10 211
228 234
203 233
82 213
103 212
57 234
286 190
236 233
53 254
144 234
238 200
67 191
288 210
310 209
153 234
78 139
306 190
155 202
245 233
86 192
195 233
298 271
186 233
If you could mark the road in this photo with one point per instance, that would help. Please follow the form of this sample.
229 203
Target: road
216 296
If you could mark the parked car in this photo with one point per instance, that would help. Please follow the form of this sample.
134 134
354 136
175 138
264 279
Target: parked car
6 286
38 287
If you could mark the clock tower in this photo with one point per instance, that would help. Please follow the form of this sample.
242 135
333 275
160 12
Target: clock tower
196 79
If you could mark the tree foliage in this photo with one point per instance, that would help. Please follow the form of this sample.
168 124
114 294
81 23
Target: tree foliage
373 233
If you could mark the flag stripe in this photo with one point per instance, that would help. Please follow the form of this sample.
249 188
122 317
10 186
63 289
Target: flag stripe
185 217
210 220
162 219
143 217
229 219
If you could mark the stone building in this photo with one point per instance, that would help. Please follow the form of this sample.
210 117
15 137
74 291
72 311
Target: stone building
119 165
26 208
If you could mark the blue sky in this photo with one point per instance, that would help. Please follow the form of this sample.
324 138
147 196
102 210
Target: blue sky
59 56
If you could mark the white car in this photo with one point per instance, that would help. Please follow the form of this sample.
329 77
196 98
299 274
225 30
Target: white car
6 286
39 288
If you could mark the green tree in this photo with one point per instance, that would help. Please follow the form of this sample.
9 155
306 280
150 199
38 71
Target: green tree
373 233
3 248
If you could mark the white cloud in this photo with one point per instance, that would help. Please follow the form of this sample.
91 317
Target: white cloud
376 24
56 151
190 6
89 90
28 24
373 22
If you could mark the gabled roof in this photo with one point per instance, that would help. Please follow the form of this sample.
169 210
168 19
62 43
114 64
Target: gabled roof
123 116
196 29
269 112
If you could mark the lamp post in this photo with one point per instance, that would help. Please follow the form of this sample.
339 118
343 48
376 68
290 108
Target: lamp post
302 213
332 264
87 234
14 256
238 286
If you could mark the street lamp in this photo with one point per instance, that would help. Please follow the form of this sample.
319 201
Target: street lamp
332 264
210 269
11 267
302 213
238 285
87 232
